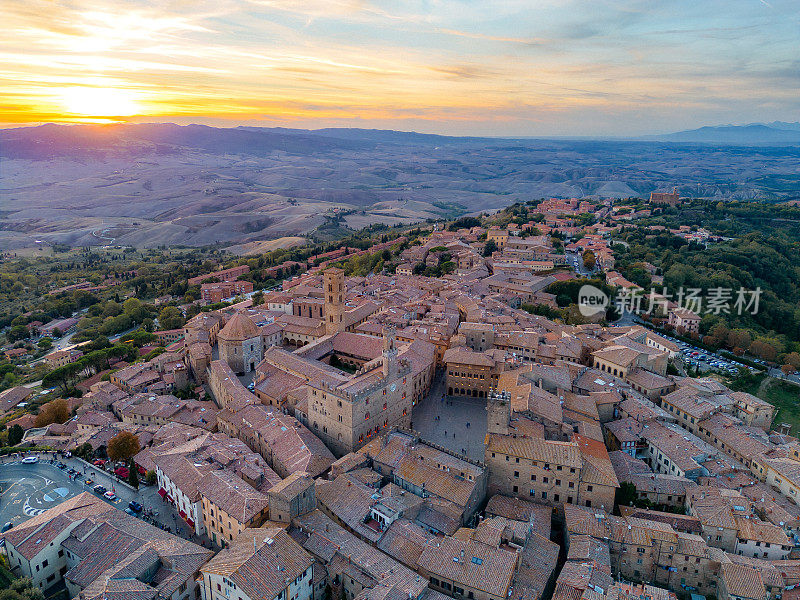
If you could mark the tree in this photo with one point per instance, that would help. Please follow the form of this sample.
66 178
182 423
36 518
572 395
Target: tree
787 369
589 260
45 343
793 358
764 349
22 589
55 411
84 451
170 318
133 474
739 338
15 435
150 478
123 446
17 332
489 248
64 376
626 494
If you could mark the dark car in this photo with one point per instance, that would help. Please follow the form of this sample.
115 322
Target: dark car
6 527
100 489
133 505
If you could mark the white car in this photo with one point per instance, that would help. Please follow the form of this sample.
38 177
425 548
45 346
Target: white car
29 460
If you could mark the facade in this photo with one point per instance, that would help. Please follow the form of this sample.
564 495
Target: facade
62 358
230 506
347 415
471 373
230 274
684 320
574 472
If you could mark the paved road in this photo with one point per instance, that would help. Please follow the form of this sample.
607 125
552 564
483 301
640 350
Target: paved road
454 412
778 374
580 270
43 486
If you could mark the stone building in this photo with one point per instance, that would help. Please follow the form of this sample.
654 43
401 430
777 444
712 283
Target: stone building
522 462
347 414
334 301
240 343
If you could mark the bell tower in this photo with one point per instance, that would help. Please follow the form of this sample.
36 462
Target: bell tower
334 300
389 352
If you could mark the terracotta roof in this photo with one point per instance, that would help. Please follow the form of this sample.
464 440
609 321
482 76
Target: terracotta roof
240 327
472 564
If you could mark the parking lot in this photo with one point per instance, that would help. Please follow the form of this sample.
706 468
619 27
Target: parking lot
706 360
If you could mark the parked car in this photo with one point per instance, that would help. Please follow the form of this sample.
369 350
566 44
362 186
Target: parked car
6 527
135 506
88 482
110 495
29 460
99 489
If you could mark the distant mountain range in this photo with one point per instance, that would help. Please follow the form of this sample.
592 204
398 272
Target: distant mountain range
777 132
164 184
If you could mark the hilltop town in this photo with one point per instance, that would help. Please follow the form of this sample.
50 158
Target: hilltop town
430 414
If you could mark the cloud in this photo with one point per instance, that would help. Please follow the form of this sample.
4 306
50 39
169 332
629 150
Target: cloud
532 64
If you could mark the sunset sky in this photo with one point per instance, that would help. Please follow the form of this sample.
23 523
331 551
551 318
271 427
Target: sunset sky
485 67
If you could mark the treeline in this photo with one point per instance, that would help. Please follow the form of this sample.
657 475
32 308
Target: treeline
765 258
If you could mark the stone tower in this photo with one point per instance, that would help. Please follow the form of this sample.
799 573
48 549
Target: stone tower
240 344
334 301
389 352
498 407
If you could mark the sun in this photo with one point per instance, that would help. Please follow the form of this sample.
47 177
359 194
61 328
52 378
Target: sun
99 102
